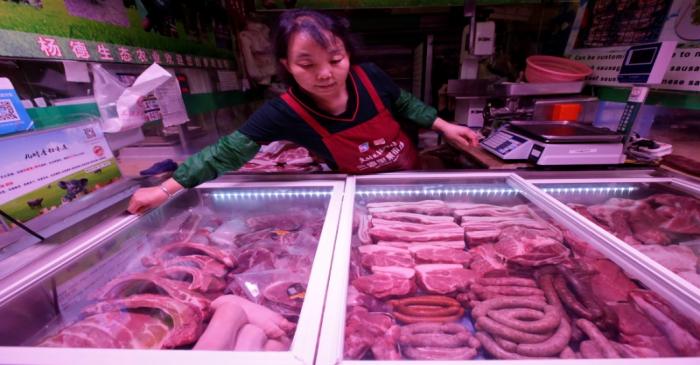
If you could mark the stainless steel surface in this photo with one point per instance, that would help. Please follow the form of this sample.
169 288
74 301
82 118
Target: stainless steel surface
532 89
565 132
464 88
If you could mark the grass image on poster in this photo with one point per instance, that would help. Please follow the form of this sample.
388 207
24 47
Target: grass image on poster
176 26
52 195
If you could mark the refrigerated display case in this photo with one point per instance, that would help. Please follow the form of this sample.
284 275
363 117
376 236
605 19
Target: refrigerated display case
656 218
237 271
425 264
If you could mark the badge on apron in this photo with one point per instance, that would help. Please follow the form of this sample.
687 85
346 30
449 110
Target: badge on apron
364 147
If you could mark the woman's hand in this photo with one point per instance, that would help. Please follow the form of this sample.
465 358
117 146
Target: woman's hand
456 135
145 199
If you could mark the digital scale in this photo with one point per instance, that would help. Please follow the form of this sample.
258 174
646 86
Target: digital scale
566 143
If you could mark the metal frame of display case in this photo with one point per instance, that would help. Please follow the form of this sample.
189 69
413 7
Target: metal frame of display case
667 281
331 343
303 347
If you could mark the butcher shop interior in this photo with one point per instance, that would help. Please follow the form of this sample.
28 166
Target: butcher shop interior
316 182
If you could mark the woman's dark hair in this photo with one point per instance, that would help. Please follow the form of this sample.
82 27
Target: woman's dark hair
313 23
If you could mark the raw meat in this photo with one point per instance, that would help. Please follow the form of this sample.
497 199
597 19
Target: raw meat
140 283
289 294
169 251
683 213
609 282
186 321
675 258
255 259
436 254
444 278
459 244
274 324
412 217
375 255
476 238
204 263
226 234
362 330
391 234
412 227
386 282
487 262
282 156
222 331
112 330
428 207
530 247
197 279
289 221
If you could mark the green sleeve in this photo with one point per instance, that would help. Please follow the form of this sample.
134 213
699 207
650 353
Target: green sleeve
411 108
229 153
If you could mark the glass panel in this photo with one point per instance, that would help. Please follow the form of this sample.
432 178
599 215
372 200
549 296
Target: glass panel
218 269
476 271
661 222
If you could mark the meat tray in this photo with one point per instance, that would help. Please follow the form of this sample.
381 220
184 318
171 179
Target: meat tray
443 267
655 217
237 269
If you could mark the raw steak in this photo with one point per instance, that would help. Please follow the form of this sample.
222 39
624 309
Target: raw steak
530 247
112 330
391 234
375 255
458 244
444 278
255 259
609 282
194 278
204 263
412 217
141 283
172 250
286 293
427 254
675 258
487 262
412 227
187 322
362 330
386 282
682 213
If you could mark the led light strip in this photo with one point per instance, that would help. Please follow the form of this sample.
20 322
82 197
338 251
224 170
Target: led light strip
270 194
606 190
410 192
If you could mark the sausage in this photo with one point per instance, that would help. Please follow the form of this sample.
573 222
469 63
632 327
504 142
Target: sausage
439 353
594 334
271 322
495 350
506 344
435 340
223 328
405 318
551 320
567 353
250 338
427 310
507 281
489 325
509 290
583 291
517 313
589 350
569 299
552 346
437 300
507 302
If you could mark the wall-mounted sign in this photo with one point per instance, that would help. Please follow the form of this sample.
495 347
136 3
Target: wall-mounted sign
43 170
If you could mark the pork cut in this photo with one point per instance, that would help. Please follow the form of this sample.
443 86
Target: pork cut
204 263
530 247
412 227
113 330
186 320
428 254
457 244
427 207
444 278
172 250
196 279
286 293
391 234
375 255
362 330
412 217
386 282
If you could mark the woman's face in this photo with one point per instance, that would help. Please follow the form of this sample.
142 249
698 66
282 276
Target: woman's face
321 72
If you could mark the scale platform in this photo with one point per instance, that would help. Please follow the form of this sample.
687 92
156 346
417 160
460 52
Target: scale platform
556 143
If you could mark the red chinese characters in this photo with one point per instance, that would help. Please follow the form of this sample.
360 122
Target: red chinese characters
49 46
141 55
124 54
79 50
104 52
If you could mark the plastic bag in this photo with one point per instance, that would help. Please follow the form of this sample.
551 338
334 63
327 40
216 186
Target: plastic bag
278 290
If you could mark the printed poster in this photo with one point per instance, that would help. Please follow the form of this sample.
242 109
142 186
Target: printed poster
42 171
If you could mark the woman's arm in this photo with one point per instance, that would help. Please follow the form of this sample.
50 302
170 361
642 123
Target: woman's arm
411 108
229 153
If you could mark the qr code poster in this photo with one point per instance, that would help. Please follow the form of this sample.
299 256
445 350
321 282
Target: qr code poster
13 116
8 113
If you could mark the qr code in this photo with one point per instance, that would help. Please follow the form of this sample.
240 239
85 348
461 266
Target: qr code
8 113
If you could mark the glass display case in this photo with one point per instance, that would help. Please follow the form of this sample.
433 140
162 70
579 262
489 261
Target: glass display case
658 218
237 271
441 267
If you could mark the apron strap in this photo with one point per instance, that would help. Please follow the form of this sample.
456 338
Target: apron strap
304 114
378 104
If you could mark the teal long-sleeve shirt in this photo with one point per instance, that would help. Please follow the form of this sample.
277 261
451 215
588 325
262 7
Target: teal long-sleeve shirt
275 120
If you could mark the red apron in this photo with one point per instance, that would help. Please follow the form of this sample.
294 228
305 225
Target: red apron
376 145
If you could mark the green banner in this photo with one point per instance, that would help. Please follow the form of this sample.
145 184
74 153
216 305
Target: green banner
199 28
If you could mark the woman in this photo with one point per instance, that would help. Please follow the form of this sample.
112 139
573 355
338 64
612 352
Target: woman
346 114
